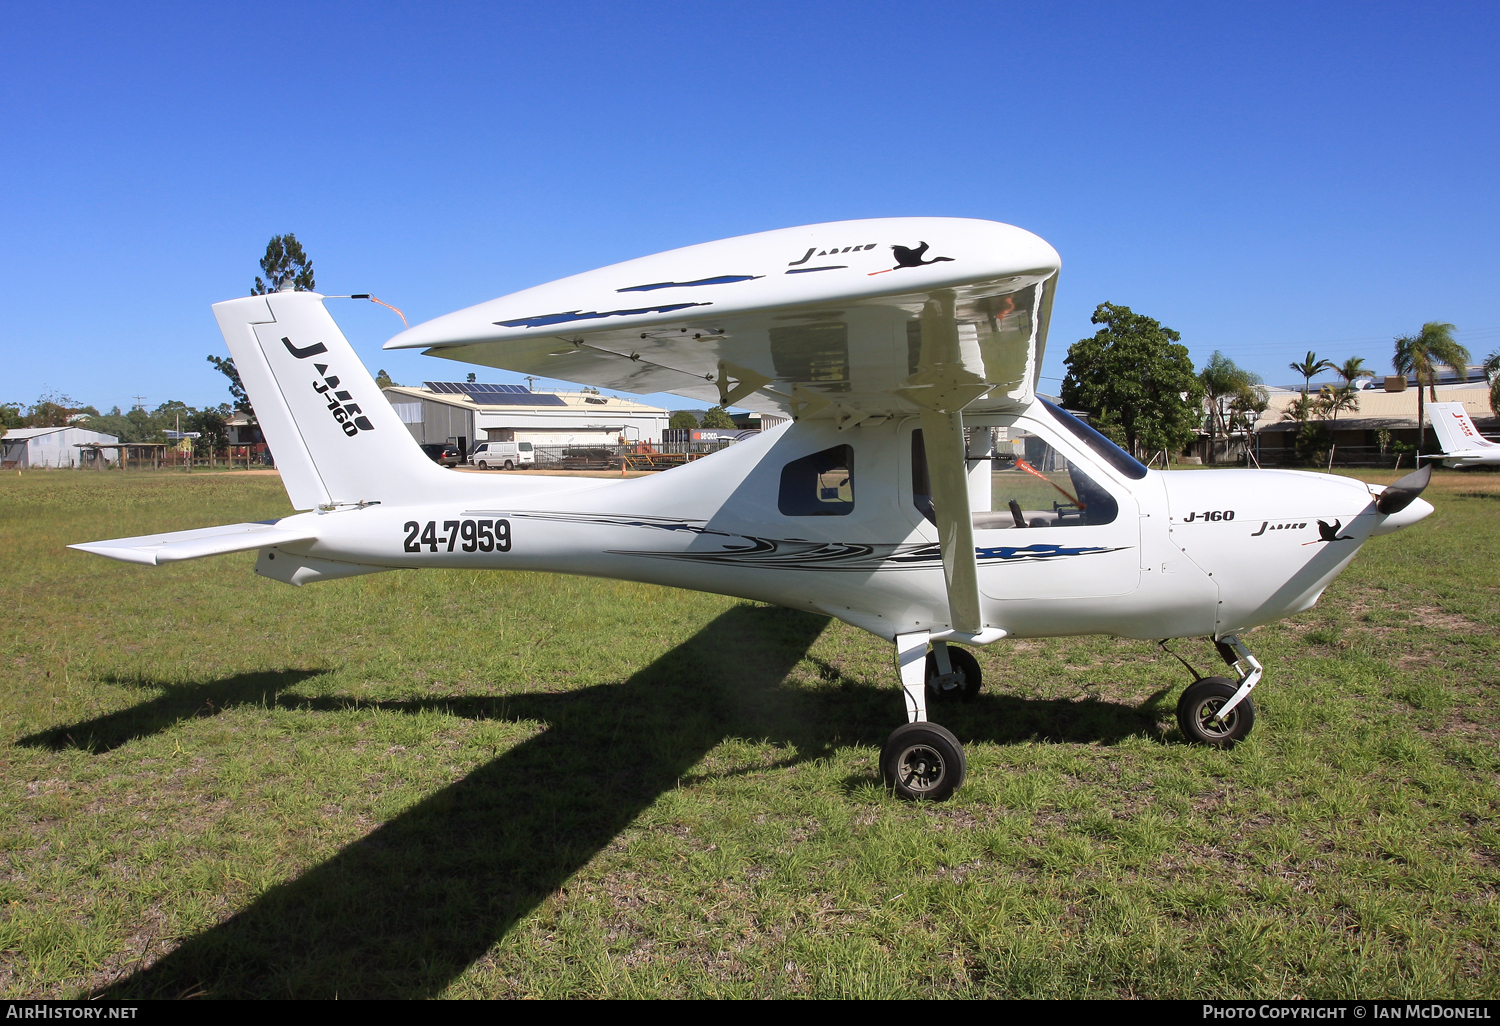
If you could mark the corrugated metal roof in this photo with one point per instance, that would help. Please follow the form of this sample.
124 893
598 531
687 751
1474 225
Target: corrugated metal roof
15 433
1391 406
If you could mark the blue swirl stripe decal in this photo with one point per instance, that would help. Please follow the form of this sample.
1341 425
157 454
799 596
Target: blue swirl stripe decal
542 320
723 279
1008 552
780 554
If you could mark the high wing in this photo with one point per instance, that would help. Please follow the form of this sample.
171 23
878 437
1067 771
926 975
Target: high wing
846 320
851 318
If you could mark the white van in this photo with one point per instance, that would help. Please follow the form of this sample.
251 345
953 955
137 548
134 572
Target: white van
502 455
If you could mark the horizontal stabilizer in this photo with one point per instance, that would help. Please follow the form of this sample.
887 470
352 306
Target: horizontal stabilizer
156 549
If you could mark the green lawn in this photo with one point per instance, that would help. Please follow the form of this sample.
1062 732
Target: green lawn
467 784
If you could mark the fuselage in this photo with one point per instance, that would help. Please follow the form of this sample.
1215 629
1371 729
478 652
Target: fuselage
1185 553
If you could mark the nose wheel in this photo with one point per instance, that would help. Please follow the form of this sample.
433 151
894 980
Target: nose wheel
1201 715
1217 711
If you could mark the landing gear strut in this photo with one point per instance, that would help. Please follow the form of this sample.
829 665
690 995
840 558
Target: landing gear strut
1217 711
922 759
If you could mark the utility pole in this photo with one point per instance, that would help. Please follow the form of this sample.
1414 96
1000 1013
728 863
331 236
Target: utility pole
531 382
140 401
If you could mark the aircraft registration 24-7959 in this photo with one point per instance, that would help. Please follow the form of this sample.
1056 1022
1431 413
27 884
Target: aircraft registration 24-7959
922 490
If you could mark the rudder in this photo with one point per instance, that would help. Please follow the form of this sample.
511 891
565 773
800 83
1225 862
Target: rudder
335 437
1455 428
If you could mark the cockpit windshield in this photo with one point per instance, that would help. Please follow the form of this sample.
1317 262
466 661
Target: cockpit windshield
1097 442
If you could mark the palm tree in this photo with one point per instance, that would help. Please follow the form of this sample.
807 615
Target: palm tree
1354 367
1223 380
1492 372
1311 367
1421 355
1344 398
1332 400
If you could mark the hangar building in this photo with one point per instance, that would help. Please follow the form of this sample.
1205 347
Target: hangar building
47 446
468 412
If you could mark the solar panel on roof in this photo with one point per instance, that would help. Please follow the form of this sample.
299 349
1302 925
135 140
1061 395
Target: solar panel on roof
519 399
492 394
476 388
485 387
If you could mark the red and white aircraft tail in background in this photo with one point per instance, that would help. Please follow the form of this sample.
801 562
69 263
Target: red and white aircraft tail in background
1463 445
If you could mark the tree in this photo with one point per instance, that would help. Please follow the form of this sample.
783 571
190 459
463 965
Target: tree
52 409
1311 367
383 380
284 262
1332 400
236 387
1421 355
1352 368
210 423
1492 374
1226 386
683 419
1134 374
717 417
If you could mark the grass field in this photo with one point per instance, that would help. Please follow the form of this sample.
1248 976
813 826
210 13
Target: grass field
464 784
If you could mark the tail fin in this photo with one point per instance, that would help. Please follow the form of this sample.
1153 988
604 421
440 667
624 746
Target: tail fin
1455 429
335 437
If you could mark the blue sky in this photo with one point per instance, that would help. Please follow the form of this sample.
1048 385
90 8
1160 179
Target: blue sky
1264 178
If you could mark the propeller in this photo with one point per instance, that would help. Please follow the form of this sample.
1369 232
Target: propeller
1404 492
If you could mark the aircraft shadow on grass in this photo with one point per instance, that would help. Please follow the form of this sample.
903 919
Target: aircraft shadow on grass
406 909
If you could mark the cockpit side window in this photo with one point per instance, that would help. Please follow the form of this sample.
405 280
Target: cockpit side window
820 485
1032 485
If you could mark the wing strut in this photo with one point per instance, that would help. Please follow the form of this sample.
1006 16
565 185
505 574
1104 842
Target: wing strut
943 436
941 388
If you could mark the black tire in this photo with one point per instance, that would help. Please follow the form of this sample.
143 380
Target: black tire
1201 701
922 761
483 465
509 465
966 666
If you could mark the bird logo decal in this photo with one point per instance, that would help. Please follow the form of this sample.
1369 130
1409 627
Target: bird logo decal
913 257
1329 533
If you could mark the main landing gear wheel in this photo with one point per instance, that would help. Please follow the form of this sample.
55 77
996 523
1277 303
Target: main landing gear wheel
1198 710
922 760
963 683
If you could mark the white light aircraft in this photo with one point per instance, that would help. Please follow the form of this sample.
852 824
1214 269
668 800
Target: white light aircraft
1463 445
923 491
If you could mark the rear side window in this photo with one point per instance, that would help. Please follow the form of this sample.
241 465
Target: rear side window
820 485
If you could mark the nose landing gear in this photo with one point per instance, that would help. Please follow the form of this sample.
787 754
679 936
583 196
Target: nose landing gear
1217 711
